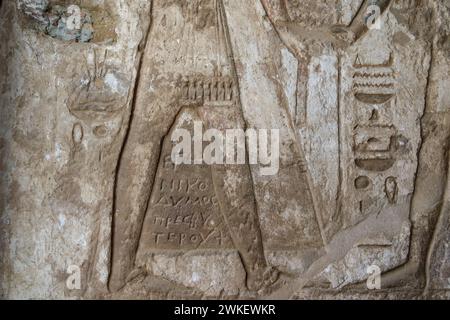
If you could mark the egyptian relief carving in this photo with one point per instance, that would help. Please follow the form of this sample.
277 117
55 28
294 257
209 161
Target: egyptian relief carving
119 122
100 97
180 209
165 224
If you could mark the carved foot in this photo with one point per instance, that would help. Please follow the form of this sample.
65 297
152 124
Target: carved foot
262 284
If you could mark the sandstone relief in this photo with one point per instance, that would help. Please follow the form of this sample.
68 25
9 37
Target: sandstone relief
197 149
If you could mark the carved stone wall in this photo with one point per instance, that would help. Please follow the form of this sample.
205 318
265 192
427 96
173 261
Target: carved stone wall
92 93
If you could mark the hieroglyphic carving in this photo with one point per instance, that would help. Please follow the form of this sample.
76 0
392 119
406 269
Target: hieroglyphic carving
374 147
67 23
376 142
216 90
391 189
77 133
96 99
307 32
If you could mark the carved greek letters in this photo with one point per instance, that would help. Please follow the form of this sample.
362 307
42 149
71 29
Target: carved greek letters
184 212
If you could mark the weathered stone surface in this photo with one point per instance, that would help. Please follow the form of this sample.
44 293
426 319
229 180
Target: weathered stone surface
97 96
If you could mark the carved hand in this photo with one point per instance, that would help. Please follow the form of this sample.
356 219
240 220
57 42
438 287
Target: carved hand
294 35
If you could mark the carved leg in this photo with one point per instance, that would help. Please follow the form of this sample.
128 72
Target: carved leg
233 185
428 197
157 105
431 184
234 188
153 116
